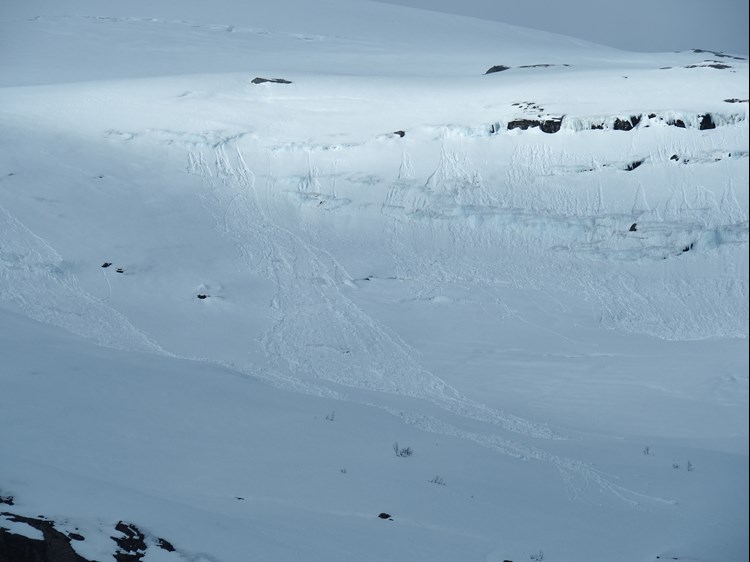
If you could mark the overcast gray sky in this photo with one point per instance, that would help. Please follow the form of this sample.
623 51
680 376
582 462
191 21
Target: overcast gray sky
634 25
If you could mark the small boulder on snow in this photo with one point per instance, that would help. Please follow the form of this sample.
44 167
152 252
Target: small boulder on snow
259 80
498 68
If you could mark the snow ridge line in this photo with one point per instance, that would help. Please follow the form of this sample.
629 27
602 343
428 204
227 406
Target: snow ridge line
575 124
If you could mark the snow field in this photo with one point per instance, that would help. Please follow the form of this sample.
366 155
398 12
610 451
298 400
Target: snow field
555 323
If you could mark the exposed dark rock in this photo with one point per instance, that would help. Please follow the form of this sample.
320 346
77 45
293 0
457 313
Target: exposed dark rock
537 65
716 65
651 115
677 123
401 134
131 545
106 264
551 125
385 516
202 296
707 122
735 100
522 124
164 544
674 157
633 165
54 546
529 106
633 227
498 68
546 125
7 500
718 54
120 270
597 127
259 80
688 247
626 124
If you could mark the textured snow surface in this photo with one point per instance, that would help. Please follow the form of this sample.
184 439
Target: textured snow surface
535 279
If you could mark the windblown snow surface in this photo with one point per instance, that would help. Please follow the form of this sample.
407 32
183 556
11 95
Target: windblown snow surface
508 311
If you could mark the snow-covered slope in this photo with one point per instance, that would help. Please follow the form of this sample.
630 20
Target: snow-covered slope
534 280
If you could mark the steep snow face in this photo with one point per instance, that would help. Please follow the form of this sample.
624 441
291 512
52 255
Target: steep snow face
300 233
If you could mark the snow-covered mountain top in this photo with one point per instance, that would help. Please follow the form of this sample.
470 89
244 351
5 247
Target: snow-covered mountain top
84 41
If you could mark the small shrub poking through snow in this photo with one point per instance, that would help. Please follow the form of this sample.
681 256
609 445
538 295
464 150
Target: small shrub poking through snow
402 452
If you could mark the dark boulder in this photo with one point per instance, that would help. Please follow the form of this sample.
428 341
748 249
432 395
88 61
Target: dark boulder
626 124
498 68
131 545
546 125
259 80
709 64
633 165
707 122
164 544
